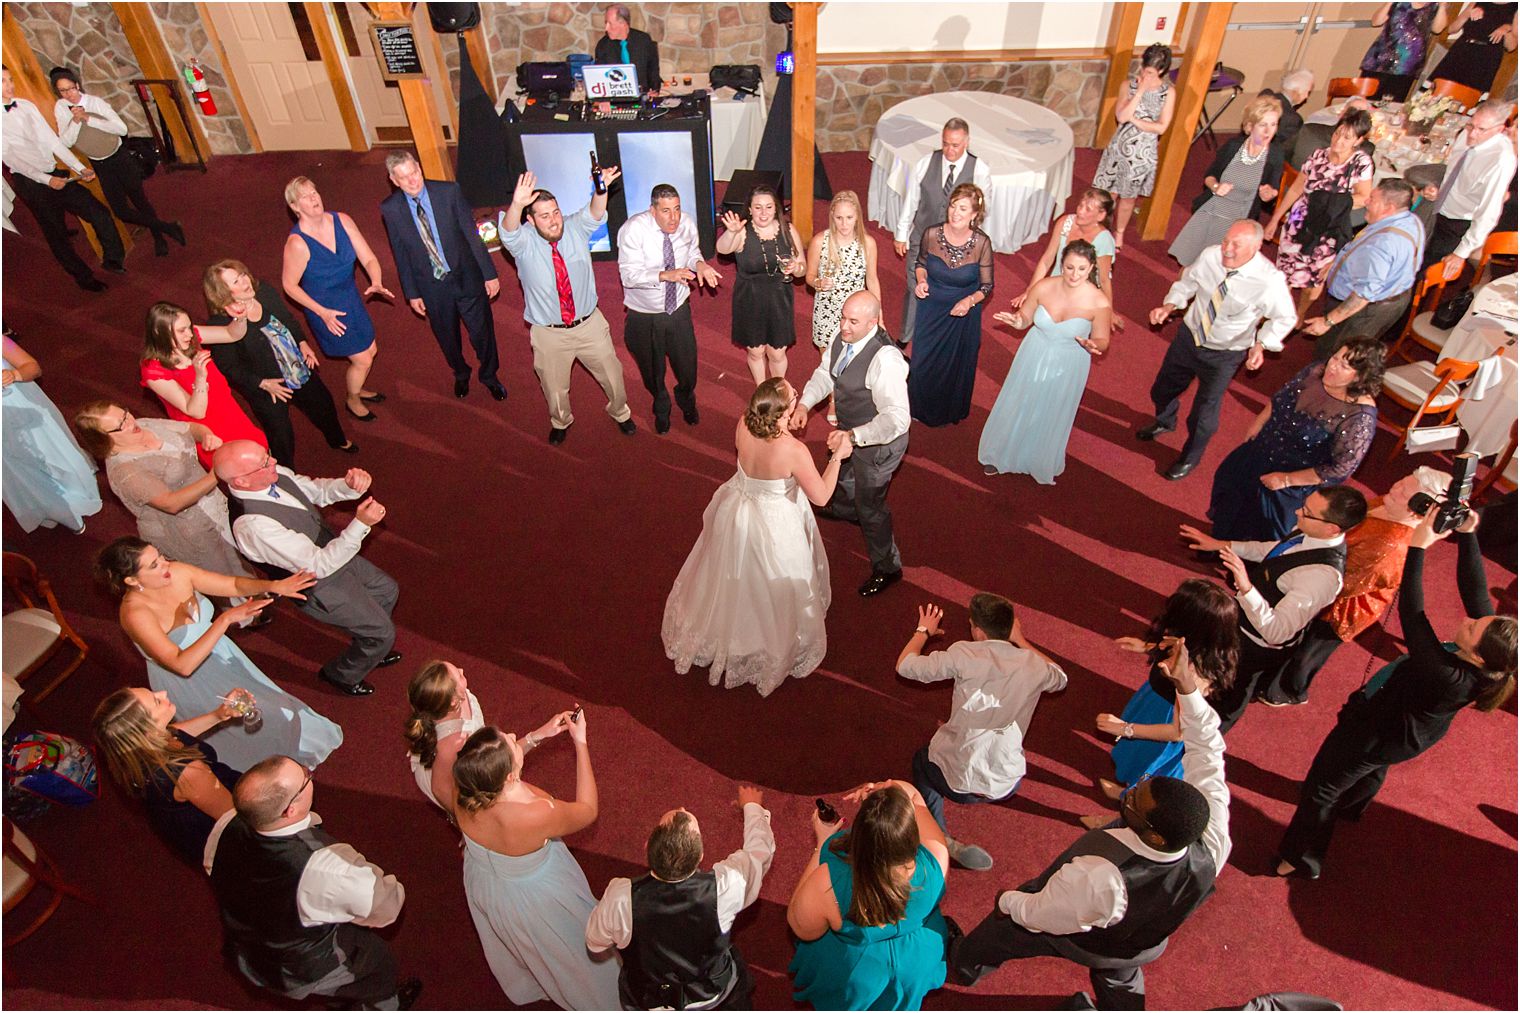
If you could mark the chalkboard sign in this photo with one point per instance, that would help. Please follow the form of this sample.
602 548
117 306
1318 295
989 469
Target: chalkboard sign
396 46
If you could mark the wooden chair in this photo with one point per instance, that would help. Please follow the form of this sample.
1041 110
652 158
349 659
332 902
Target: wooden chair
1503 468
1429 390
1465 97
1289 175
1417 325
33 633
1345 87
1498 244
25 866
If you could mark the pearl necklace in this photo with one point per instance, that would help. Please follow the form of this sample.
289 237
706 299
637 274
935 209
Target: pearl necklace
1246 158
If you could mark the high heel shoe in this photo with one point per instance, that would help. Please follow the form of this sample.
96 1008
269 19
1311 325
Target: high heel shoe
1112 790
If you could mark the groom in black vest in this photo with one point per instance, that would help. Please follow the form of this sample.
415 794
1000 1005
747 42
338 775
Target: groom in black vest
868 377
673 924
1111 900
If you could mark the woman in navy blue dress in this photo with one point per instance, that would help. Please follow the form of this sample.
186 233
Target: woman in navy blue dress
318 275
954 279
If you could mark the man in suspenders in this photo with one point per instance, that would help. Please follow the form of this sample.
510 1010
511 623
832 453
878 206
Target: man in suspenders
1372 280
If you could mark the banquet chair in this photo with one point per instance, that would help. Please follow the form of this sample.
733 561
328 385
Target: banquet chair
1463 95
1502 470
1418 325
24 867
1345 87
1429 390
1289 175
1498 244
33 633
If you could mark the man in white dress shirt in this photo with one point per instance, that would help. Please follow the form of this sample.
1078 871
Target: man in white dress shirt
298 907
978 755
1112 900
672 924
868 377
31 151
276 523
1472 195
1281 586
928 201
659 259
1242 307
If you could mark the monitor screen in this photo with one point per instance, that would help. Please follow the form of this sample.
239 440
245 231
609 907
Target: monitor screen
607 81
562 163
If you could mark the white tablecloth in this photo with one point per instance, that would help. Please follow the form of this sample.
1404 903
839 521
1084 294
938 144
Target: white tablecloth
1485 335
738 123
1027 147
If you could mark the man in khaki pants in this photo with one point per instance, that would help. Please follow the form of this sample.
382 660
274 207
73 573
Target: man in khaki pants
559 295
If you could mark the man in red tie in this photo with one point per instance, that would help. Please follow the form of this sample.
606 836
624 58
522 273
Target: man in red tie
559 298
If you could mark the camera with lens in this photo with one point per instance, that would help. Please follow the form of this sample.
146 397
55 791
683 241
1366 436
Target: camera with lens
1452 506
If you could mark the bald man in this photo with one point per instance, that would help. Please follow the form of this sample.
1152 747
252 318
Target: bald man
276 523
868 377
1241 308
298 907
673 923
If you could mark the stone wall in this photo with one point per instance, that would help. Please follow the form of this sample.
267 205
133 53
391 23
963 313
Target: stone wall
87 38
852 98
187 37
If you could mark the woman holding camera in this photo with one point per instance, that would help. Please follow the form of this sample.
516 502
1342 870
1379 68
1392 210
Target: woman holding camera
1408 706
867 906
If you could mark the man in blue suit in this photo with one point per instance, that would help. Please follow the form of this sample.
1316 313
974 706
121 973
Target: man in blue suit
446 274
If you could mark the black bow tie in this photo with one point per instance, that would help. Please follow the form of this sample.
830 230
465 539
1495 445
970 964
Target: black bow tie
9 106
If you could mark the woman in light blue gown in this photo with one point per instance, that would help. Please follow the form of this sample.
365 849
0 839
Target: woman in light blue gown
1026 432
165 611
46 478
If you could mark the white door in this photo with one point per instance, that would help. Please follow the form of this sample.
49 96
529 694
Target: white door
280 74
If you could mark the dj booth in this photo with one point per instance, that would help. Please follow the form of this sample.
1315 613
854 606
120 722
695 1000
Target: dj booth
665 140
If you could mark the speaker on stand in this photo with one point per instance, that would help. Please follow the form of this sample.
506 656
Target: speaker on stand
775 154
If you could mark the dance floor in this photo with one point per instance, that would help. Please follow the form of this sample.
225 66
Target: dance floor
543 572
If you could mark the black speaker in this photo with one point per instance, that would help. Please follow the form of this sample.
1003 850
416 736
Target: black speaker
736 196
781 13
450 18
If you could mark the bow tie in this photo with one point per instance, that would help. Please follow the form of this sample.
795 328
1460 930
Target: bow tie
9 106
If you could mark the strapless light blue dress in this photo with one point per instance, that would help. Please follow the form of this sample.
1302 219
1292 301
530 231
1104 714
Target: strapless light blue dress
1026 432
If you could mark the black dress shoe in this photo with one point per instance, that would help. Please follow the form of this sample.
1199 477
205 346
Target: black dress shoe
349 448
691 416
114 267
1147 433
366 417
557 435
662 426
627 427
375 398
360 688
879 582
91 284
1179 470
461 387
388 660
175 231
407 993
497 391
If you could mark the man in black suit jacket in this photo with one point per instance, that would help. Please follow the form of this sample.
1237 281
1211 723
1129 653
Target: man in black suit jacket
626 44
446 274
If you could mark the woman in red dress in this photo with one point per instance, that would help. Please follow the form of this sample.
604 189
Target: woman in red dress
181 373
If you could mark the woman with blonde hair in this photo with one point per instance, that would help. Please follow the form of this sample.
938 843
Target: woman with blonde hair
1244 175
528 897
841 260
152 756
750 600
318 273
954 274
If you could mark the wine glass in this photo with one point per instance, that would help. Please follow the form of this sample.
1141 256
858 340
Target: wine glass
243 704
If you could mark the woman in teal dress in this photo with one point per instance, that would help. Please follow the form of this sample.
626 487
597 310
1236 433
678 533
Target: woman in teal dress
190 657
47 480
1030 423
867 907
1148 739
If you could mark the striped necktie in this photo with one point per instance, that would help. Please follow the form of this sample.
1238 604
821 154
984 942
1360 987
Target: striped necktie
1211 310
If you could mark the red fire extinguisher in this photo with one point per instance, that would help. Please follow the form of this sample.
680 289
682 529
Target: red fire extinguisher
199 88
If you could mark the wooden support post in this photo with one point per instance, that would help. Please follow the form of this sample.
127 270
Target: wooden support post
475 41
804 101
153 57
1204 42
33 85
1121 53
337 75
421 111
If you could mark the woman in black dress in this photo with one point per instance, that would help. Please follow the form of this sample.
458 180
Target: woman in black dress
151 756
1407 707
1488 30
768 254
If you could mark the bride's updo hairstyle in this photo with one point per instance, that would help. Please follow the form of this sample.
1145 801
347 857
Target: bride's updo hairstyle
481 769
768 405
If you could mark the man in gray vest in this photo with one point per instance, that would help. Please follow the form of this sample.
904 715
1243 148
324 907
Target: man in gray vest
868 377
928 200
1111 900
276 524
298 908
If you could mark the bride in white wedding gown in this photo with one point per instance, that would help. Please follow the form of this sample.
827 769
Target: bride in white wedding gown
750 600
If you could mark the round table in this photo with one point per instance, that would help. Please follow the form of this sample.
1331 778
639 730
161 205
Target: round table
1397 153
1486 335
1027 147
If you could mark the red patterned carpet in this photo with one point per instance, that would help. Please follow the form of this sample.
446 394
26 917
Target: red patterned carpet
543 571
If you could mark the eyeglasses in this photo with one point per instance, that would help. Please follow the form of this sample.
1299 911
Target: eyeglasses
267 462
120 425
309 775
1303 512
1128 807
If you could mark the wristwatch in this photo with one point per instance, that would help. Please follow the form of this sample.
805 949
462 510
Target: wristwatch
922 629
1129 731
